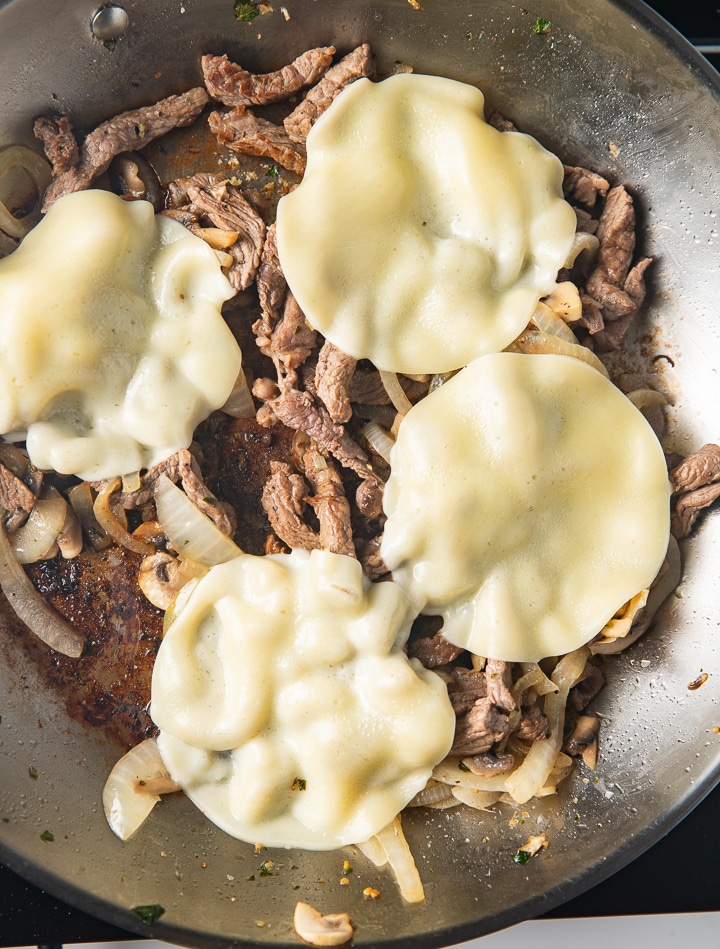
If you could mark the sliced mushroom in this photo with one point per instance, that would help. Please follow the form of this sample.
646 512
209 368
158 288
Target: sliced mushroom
489 763
162 576
318 930
582 741
133 177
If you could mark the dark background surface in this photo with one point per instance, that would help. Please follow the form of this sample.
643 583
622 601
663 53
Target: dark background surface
677 875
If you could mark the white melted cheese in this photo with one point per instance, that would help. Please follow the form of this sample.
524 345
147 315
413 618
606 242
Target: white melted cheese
421 237
528 501
288 710
114 348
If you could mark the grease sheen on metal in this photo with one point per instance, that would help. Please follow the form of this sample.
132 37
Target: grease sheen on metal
110 23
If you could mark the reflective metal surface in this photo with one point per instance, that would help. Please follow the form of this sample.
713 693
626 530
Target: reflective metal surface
611 87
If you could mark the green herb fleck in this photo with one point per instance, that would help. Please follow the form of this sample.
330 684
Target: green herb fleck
522 857
245 12
141 129
462 766
299 784
541 26
110 45
6 820
213 502
266 869
273 171
149 913
251 878
47 836
33 772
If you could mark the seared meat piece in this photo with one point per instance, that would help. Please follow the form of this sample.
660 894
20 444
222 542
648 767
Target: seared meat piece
498 676
586 224
586 688
499 122
183 467
16 498
243 132
371 559
271 286
698 469
689 505
616 233
488 719
330 504
584 187
233 85
58 143
533 724
303 413
212 199
355 65
478 730
434 651
129 131
592 318
284 499
466 686
333 375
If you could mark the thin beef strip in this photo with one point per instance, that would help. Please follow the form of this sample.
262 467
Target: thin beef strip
488 720
58 143
243 132
212 199
696 484
584 187
434 651
129 131
16 498
354 66
333 375
284 499
330 504
232 85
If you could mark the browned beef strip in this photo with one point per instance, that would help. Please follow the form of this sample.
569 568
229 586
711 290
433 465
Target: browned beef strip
129 131
499 122
584 187
333 374
15 497
233 85
284 500
212 199
465 687
699 468
634 284
371 559
330 503
612 336
616 233
498 675
480 728
302 412
182 466
433 651
586 223
592 318
355 65
58 143
243 132
689 505
490 763
533 724
271 286
586 688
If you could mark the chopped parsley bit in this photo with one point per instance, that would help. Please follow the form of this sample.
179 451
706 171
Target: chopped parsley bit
462 766
266 869
110 45
213 502
347 868
522 857
33 772
141 129
273 171
149 913
246 12
541 26
299 784
47 836
251 878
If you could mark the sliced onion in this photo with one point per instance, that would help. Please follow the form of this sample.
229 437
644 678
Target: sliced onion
373 850
645 398
392 840
379 440
17 163
549 322
133 788
439 379
240 401
82 501
32 608
433 793
449 772
480 800
37 538
395 391
190 532
115 524
583 241
533 341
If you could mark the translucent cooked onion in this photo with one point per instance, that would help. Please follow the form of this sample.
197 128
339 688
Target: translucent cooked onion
240 401
548 322
583 241
32 608
480 800
379 440
24 176
432 794
646 398
395 391
82 501
392 840
190 532
111 522
134 786
37 538
533 341
449 772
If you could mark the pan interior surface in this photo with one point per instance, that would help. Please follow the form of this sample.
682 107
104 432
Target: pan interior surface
609 87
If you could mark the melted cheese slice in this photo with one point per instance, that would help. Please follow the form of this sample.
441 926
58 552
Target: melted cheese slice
528 501
288 710
420 237
114 348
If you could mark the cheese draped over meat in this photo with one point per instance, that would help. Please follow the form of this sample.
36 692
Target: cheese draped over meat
528 501
114 348
288 710
420 236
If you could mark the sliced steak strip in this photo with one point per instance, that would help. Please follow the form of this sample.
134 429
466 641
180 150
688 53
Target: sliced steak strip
433 651
15 497
355 65
488 720
183 467
333 374
129 131
212 199
243 132
616 233
698 469
284 500
233 85
330 504
584 187
58 143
